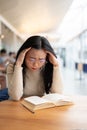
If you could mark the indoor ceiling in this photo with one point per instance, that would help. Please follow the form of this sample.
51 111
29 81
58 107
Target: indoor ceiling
34 16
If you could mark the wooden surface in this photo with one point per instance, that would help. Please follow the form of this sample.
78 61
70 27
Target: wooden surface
13 116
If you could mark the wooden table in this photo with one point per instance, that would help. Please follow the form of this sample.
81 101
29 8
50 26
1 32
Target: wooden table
13 116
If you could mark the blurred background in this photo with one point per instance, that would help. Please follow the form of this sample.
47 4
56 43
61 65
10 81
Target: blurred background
62 22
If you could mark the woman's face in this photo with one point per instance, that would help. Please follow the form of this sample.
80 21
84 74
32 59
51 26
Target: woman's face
35 59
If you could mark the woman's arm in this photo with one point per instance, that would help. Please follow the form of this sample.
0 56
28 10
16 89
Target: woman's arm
14 82
57 84
15 77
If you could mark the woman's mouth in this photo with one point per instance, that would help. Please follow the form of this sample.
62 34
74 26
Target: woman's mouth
34 68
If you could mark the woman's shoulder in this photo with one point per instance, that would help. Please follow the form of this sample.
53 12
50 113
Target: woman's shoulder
10 65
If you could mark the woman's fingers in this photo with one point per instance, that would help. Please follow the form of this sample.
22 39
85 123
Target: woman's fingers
21 57
25 51
52 58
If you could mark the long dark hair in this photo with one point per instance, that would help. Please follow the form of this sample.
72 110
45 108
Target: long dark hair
39 42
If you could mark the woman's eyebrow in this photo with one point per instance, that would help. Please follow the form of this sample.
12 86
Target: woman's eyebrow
32 57
42 58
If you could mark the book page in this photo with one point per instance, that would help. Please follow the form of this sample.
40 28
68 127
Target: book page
55 97
36 100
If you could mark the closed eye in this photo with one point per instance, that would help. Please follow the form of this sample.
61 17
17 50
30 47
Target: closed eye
42 60
32 59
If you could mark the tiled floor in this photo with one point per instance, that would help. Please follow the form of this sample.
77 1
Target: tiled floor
75 83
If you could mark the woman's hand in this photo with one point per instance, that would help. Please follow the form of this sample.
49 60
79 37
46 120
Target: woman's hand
21 57
52 58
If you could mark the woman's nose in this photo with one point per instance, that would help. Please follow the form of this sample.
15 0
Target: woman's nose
36 64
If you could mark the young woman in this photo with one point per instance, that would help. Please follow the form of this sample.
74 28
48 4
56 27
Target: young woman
36 70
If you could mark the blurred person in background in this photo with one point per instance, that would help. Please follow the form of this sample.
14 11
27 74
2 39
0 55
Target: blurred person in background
4 60
12 57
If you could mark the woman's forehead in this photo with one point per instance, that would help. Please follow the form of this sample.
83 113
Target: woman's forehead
36 52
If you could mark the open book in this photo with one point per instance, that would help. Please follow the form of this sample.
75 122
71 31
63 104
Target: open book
34 103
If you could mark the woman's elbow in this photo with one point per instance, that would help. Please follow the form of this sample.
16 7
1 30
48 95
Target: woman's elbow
15 97
57 90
